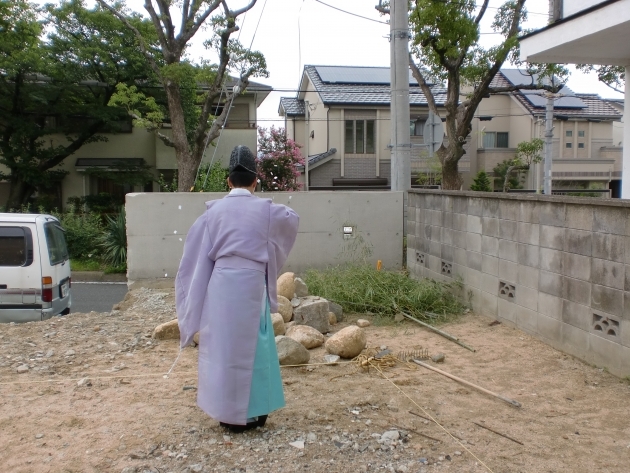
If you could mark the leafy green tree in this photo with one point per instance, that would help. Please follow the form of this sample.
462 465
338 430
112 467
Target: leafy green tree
481 183
505 177
527 152
55 88
445 40
613 76
190 110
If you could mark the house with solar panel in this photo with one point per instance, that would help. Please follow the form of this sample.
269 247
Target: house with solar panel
586 153
347 133
348 130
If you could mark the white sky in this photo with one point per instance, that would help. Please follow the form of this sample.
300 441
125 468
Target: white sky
292 33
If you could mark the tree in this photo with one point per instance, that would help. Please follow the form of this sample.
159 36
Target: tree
278 161
613 76
193 124
481 183
527 152
445 40
54 90
503 173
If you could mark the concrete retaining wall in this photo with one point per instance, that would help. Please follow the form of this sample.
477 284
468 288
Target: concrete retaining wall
157 224
557 268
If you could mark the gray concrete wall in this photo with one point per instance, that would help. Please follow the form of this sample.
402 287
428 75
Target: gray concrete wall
157 224
557 268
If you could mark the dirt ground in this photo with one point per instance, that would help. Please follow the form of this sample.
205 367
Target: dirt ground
129 418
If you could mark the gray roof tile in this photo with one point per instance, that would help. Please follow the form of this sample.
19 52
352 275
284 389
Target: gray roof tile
365 93
292 106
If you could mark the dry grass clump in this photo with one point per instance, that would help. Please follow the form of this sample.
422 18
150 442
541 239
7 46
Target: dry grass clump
361 288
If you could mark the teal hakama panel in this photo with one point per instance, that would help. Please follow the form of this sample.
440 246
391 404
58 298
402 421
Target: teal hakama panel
266 394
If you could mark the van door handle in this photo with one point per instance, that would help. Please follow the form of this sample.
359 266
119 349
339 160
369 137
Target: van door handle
3 286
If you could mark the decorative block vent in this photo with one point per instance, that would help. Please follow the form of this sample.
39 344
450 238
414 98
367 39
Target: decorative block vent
447 268
607 325
420 258
507 291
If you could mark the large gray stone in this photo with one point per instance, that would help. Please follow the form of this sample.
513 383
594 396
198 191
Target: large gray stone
336 309
291 352
313 311
301 290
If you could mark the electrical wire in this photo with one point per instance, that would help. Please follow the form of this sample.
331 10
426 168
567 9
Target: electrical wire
353 14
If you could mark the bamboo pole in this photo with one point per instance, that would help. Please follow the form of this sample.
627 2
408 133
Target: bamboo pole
440 332
467 383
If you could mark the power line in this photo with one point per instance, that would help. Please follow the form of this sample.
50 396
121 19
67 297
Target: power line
353 14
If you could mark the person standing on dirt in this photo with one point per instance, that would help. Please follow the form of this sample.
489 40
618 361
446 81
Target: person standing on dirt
226 288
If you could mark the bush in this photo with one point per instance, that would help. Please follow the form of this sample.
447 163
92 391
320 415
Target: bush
113 241
212 178
278 159
481 183
83 230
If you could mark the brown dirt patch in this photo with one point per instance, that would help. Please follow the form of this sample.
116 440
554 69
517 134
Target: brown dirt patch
574 416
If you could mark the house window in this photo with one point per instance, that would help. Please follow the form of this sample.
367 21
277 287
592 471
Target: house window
416 127
360 136
569 133
493 139
581 133
568 145
581 145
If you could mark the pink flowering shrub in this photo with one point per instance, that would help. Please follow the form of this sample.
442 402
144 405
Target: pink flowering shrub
278 161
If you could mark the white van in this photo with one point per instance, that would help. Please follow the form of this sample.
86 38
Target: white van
34 268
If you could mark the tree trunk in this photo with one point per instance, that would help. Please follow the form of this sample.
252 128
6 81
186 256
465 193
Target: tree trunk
449 157
19 193
187 162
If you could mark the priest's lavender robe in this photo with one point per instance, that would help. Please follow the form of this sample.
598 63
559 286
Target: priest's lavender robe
225 289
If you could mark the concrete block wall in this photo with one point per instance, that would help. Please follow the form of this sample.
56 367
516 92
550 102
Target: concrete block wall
557 268
157 224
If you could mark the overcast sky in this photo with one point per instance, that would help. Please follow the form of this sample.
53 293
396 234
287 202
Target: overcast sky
292 33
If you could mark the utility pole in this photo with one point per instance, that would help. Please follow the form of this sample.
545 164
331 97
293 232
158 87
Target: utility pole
548 144
306 142
399 70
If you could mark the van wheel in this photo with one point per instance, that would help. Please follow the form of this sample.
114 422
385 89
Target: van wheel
65 311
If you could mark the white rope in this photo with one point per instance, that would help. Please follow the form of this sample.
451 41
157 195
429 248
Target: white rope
174 363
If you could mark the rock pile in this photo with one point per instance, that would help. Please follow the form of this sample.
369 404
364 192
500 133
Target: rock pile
307 318
299 325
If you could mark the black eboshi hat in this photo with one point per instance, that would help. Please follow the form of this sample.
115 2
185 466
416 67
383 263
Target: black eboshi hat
242 159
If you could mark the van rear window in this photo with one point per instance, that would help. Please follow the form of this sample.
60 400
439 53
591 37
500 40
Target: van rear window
57 249
16 246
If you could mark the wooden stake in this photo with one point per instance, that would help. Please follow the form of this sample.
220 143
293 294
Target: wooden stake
499 433
440 332
467 383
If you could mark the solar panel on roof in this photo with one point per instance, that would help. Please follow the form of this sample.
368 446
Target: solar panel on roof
357 75
536 97
538 100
